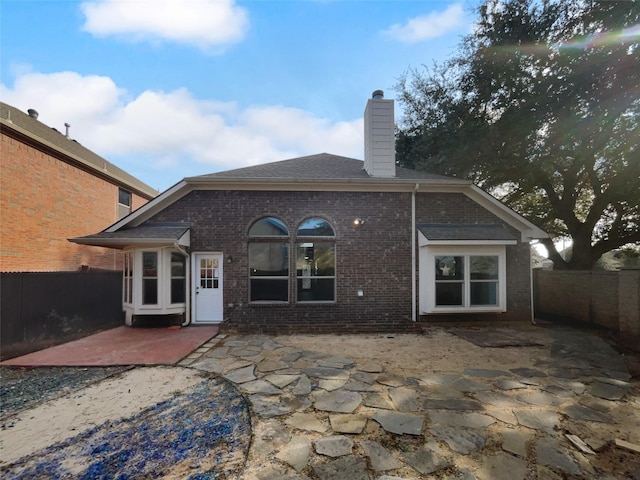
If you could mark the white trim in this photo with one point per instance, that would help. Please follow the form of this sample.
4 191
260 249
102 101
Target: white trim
152 207
465 242
527 229
195 271
398 185
427 277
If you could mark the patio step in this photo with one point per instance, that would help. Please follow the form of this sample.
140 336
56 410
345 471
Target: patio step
322 328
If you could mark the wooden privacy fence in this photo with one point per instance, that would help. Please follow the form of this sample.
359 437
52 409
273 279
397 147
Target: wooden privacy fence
605 298
40 309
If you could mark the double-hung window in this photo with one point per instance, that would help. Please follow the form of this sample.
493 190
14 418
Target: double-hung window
124 203
269 261
178 278
315 261
127 280
149 278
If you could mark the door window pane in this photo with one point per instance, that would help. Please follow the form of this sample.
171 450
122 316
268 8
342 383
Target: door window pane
209 268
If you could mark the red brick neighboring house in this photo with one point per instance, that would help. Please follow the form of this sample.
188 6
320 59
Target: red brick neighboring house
325 243
53 188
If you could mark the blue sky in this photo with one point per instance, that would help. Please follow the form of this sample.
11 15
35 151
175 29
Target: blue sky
167 89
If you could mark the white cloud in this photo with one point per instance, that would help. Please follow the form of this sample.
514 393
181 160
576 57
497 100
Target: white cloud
174 132
203 23
433 25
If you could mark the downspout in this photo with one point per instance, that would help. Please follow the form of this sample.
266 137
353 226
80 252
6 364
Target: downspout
413 254
187 311
533 314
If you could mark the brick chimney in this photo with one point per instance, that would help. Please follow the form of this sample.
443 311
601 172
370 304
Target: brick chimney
379 139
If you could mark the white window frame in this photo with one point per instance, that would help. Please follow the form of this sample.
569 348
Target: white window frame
128 289
428 254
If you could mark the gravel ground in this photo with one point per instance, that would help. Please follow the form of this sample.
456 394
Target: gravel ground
201 433
22 388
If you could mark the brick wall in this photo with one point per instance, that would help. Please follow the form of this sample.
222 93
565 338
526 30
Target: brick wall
458 208
374 257
605 298
44 201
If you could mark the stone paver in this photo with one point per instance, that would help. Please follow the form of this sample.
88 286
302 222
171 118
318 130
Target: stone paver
461 440
502 467
426 460
351 467
399 423
316 414
334 446
342 401
296 453
307 421
347 423
380 458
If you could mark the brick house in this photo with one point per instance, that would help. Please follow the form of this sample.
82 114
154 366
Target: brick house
53 188
325 243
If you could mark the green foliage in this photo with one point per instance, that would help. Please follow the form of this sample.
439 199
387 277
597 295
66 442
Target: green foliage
541 107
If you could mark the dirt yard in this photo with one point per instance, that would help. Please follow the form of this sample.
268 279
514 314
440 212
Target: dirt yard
30 427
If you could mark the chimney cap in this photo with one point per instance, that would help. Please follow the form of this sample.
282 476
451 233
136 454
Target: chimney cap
33 113
377 95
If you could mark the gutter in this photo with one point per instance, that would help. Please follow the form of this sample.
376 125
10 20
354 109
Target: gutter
413 254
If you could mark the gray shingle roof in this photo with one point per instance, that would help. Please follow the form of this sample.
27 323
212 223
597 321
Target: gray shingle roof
161 233
471 231
323 166
42 132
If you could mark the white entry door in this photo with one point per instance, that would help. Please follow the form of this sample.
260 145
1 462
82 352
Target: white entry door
207 283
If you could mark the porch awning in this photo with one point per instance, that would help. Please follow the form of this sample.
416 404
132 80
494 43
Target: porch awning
465 234
154 235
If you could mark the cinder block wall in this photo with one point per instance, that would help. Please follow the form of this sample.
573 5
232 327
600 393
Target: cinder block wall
44 201
629 302
604 298
458 208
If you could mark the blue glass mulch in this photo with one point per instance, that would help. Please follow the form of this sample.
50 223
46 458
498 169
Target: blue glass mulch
200 434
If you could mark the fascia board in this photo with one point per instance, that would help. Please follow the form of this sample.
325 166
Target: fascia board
424 241
326 185
122 243
152 207
84 164
469 242
528 231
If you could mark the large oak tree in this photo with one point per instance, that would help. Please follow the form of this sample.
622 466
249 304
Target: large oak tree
541 107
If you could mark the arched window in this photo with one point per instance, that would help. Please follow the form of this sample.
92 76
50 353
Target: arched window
269 261
315 261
